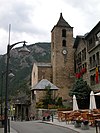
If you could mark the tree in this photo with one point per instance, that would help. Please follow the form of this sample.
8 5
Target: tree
48 97
48 100
82 92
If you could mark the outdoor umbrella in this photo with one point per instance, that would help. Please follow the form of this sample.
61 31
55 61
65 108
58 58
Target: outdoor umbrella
97 94
75 105
92 101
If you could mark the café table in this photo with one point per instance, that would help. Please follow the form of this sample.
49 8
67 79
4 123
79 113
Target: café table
96 116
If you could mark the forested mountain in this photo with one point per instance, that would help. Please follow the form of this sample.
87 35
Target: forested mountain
21 65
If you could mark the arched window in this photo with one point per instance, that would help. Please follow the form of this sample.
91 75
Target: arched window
63 33
64 43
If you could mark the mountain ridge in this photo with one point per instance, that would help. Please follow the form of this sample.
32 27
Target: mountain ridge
21 65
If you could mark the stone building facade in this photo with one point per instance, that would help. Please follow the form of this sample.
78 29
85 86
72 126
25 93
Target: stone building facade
62 56
40 71
62 60
88 46
81 58
70 59
93 50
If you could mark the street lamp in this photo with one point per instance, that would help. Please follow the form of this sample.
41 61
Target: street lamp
1 93
2 79
9 47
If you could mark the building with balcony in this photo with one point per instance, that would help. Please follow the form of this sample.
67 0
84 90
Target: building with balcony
93 50
87 55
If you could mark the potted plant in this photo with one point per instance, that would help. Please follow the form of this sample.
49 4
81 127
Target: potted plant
85 125
78 121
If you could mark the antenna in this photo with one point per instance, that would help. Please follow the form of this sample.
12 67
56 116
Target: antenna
9 34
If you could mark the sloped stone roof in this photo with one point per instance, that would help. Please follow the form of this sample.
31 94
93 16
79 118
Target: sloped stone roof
62 23
43 84
22 100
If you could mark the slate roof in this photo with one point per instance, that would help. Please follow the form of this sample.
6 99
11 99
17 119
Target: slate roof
62 23
44 83
76 42
22 99
93 30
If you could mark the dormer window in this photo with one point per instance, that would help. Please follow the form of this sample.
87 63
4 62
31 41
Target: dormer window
63 33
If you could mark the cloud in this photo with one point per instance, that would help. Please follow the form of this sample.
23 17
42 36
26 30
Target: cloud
20 14
16 13
89 11
33 20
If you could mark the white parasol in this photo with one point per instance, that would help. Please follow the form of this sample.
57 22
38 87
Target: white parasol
75 105
97 94
92 101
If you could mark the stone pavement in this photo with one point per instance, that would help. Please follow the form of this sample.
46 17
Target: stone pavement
11 130
63 124
71 126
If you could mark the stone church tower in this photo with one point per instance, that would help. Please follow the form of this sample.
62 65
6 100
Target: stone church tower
62 57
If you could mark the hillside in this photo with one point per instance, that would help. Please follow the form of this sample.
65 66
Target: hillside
21 65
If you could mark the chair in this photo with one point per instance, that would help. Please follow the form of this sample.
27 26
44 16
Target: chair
76 114
61 116
96 111
84 115
72 116
91 119
68 117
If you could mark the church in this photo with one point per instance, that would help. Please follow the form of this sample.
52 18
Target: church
60 71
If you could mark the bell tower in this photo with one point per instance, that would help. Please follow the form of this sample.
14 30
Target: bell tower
62 56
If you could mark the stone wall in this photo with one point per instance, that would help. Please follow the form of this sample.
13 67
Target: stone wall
62 65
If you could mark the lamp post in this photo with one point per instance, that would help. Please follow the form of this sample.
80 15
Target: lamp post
1 93
2 82
9 47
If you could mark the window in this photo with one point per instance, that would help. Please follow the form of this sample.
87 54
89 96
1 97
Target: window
64 43
80 68
84 54
90 41
63 33
33 95
97 58
90 62
79 58
92 79
85 65
94 61
99 76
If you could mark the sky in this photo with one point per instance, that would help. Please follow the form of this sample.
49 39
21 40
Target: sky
33 20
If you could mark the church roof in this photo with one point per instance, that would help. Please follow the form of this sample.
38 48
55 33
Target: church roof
61 22
43 84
